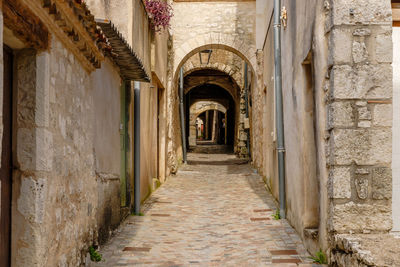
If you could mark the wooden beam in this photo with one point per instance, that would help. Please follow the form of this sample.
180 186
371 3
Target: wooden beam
25 25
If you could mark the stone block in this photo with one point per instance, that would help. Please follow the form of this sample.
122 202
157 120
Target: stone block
26 158
341 114
361 184
364 113
384 48
361 82
352 217
359 52
382 115
42 90
362 32
340 47
364 12
382 183
364 124
361 146
243 136
44 150
32 199
339 182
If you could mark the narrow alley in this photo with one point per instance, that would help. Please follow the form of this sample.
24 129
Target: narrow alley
199 133
214 212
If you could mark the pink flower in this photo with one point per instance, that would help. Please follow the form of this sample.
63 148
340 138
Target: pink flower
160 13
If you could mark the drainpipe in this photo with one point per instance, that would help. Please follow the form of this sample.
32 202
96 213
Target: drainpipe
182 116
136 148
246 99
279 108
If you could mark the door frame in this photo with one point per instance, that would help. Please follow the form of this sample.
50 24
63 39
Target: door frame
6 189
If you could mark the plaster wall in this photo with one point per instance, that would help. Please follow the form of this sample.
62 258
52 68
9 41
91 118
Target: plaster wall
159 57
106 84
302 109
148 131
131 20
130 17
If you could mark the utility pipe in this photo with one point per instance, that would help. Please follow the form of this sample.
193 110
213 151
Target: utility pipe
246 99
137 198
182 112
279 108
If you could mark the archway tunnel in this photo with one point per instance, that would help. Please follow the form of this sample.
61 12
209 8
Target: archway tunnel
212 97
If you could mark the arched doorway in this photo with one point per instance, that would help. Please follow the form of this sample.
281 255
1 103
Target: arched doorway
210 69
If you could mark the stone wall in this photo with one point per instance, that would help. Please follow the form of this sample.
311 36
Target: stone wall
55 188
360 116
228 26
337 91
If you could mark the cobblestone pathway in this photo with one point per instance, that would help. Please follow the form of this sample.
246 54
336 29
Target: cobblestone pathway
215 212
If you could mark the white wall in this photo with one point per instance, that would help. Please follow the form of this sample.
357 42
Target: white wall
396 129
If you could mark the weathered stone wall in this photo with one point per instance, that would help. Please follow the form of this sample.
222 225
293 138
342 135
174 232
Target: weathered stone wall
221 60
337 91
55 187
360 116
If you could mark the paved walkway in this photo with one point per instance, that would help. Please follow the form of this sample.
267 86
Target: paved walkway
215 212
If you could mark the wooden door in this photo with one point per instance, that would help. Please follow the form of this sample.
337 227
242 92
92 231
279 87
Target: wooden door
6 162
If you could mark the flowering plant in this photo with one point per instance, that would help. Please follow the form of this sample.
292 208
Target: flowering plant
160 13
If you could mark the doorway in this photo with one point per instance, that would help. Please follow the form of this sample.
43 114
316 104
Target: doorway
6 160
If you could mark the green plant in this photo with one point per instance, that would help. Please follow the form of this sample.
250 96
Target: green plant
319 257
138 214
94 254
276 215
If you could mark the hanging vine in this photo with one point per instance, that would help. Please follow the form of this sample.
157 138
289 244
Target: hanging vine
160 13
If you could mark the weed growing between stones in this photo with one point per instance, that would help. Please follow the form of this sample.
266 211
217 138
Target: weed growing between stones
319 257
94 254
276 215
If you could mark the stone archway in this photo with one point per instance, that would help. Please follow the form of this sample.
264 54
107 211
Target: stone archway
236 77
215 41
196 109
236 46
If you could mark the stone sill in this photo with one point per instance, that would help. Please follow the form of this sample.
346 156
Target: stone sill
366 250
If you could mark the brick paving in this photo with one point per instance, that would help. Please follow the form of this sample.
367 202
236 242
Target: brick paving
214 212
